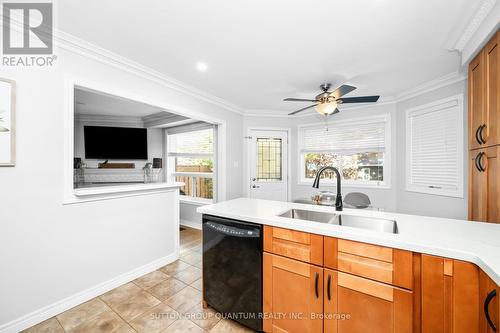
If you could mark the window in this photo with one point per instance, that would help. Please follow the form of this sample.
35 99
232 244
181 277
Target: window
434 147
359 149
191 160
269 159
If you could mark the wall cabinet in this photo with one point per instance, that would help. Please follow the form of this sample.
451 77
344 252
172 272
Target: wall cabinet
484 133
484 185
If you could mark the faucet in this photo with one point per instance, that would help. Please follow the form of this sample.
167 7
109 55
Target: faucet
338 197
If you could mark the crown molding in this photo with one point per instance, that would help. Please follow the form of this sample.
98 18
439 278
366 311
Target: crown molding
79 46
431 85
421 89
478 18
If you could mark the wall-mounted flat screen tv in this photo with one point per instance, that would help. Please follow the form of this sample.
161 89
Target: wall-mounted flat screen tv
115 143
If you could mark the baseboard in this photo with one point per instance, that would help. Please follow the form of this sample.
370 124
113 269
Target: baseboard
190 224
56 308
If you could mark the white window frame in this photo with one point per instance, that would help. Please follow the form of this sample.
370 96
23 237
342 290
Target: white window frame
458 100
385 184
171 173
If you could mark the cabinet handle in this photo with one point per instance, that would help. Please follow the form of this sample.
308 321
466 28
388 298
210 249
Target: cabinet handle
476 159
487 301
480 158
477 135
328 282
316 285
481 129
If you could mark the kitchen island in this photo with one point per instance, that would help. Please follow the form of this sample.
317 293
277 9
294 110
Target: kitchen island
434 274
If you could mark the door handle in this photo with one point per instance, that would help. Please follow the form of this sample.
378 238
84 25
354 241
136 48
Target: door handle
316 287
481 129
328 282
255 186
487 302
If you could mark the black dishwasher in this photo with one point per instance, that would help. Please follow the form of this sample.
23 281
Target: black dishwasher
232 269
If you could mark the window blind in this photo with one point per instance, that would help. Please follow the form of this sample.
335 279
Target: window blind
434 148
194 142
346 137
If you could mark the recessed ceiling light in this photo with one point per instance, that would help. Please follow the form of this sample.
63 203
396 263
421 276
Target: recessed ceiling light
201 66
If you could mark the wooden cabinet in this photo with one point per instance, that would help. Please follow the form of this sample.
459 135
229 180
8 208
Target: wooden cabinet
294 244
476 100
293 295
484 185
484 133
449 295
491 134
489 293
354 304
379 263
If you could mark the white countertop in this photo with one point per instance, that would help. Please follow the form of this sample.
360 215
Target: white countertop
474 242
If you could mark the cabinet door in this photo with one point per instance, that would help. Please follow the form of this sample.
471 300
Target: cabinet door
488 301
293 296
359 305
476 100
478 189
484 185
450 292
491 133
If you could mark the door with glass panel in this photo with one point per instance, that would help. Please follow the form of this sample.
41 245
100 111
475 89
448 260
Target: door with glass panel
268 165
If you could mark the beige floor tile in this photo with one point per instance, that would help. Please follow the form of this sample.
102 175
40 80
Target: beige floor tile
156 319
82 313
229 326
175 267
198 284
184 300
121 294
151 279
183 325
192 258
106 322
167 288
125 329
136 306
205 318
189 275
198 265
49 326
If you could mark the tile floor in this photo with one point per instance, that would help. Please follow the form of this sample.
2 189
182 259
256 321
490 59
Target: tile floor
167 300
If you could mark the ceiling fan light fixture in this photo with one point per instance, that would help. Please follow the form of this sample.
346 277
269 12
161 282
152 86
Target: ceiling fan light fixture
326 108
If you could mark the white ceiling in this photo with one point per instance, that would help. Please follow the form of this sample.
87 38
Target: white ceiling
95 103
259 52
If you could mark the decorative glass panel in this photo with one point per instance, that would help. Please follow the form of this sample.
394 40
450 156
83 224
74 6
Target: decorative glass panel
269 159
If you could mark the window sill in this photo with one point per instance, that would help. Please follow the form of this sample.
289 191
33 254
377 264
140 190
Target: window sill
195 201
118 191
347 185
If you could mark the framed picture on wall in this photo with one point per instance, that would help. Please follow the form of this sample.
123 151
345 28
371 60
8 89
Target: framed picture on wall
7 122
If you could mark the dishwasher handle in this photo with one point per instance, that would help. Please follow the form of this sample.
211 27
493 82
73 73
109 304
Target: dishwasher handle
233 231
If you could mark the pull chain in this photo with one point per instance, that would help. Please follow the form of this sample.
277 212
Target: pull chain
326 122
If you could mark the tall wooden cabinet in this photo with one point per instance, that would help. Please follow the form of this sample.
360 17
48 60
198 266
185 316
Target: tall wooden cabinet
484 133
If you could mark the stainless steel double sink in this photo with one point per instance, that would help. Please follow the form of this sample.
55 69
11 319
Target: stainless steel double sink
375 224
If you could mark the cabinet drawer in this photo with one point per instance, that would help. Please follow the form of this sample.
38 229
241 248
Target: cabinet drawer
294 244
379 263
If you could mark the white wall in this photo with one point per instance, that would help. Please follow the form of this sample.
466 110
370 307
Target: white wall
395 198
50 251
154 137
421 203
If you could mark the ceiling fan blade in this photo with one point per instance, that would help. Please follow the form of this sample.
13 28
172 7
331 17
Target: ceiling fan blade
342 90
299 100
303 109
360 99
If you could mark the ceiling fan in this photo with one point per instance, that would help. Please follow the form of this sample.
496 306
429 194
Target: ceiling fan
326 103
